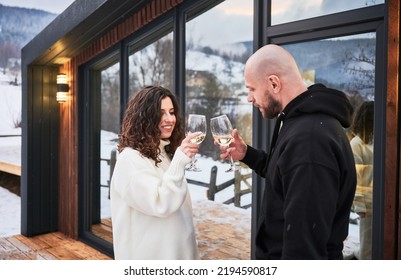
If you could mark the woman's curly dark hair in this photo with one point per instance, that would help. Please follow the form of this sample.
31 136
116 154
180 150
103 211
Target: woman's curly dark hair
362 124
140 127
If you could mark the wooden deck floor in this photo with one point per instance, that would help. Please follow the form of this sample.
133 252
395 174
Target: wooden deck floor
223 233
51 246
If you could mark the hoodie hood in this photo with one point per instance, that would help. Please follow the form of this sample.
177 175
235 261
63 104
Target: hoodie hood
322 100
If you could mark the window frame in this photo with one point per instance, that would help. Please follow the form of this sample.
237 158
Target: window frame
89 148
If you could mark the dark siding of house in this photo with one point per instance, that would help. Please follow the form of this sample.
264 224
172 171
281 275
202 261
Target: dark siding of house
40 194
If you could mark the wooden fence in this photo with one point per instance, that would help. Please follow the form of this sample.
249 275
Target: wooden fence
212 186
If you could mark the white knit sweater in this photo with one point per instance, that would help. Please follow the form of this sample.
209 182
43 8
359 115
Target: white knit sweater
151 208
363 155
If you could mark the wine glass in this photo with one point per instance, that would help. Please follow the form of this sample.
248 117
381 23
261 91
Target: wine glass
196 123
222 133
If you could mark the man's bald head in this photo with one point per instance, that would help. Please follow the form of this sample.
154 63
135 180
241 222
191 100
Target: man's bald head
273 72
272 60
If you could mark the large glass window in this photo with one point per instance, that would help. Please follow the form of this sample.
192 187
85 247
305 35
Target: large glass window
103 120
284 11
110 126
349 66
152 65
218 42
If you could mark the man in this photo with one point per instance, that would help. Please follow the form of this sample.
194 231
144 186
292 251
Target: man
309 171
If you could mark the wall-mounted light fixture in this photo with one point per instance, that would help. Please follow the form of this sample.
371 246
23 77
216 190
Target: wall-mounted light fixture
62 87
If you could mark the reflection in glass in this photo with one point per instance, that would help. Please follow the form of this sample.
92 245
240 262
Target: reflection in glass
215 86
347 64
152 65
109 127
284 11
362 148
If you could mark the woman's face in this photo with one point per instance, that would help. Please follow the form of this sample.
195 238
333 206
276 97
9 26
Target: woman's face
167 121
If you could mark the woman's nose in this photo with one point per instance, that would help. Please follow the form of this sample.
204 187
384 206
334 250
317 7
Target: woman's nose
168 117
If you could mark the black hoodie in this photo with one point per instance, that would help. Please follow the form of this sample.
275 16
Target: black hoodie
310 179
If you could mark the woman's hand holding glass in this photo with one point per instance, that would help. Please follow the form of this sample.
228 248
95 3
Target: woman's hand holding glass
196 123
189 147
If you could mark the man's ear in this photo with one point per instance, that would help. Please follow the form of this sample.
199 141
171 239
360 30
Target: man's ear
275 83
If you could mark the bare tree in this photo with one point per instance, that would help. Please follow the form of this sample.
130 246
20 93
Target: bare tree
110 98
360 63
7 51
153 65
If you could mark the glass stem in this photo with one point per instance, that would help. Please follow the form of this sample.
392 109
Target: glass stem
231 160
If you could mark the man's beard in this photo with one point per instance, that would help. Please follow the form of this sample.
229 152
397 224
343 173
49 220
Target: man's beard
273 107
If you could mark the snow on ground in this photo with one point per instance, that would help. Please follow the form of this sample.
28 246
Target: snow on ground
10 149
10 213
10 152
10 115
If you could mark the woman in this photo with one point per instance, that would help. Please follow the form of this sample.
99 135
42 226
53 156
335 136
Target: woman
150 202
362 148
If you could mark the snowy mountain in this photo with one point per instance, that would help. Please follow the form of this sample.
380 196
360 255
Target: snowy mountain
228 72
19 25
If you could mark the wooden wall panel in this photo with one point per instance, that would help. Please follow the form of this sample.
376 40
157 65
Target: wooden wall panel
394 36
392 223
68 160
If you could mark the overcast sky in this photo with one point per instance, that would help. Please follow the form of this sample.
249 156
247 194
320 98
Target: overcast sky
53 6
231 21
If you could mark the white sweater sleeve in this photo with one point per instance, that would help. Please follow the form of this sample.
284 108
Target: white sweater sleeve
146 188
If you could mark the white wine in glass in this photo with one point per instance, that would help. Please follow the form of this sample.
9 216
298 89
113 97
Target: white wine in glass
196 123
222 133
